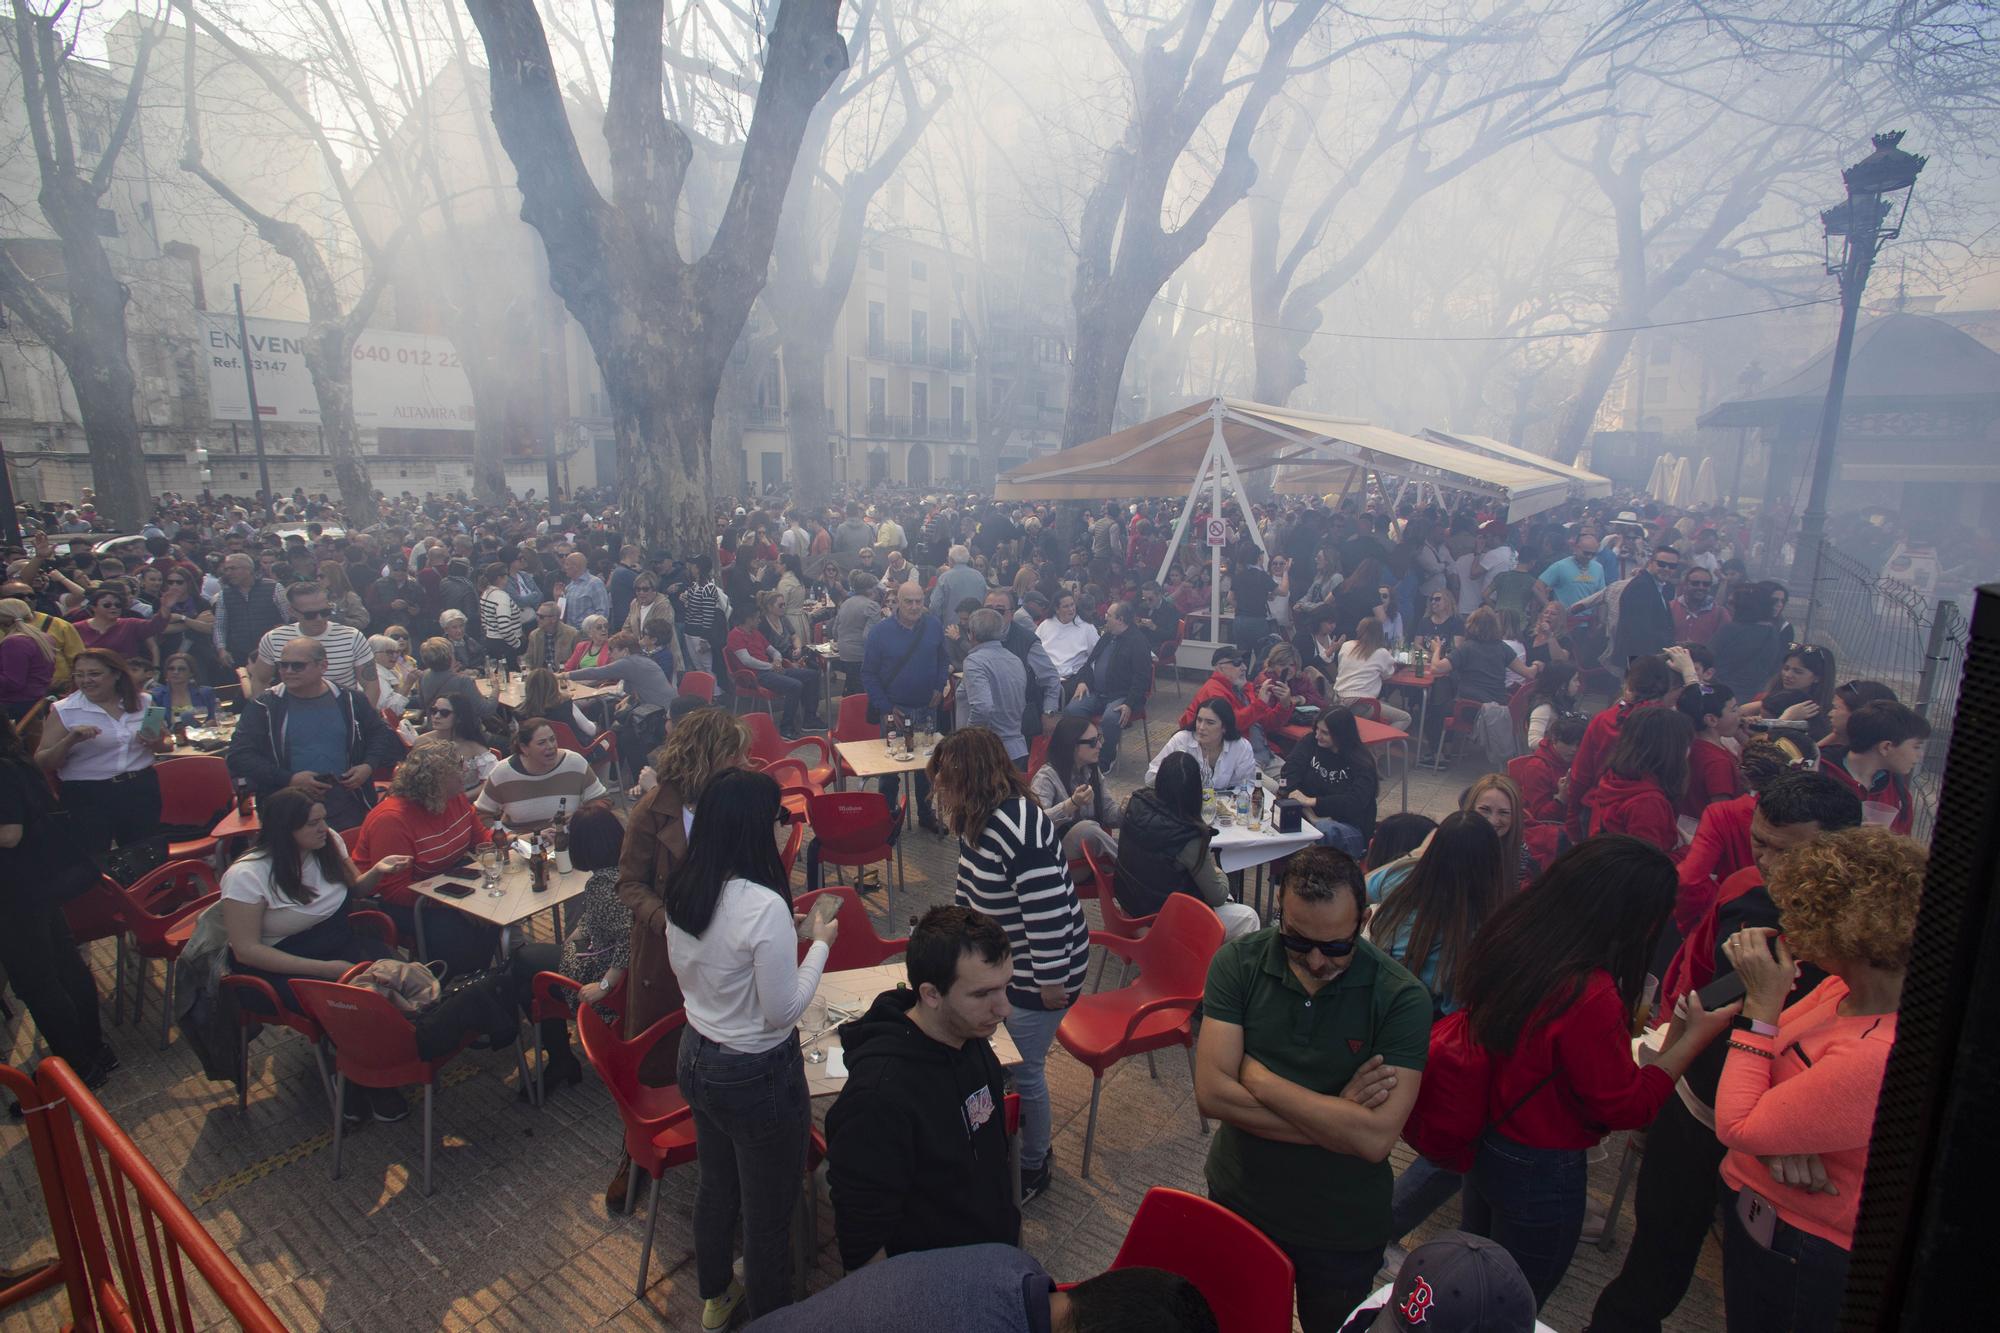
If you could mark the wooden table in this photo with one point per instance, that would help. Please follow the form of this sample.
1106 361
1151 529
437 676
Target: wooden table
854 990
517 901
871 759
515 690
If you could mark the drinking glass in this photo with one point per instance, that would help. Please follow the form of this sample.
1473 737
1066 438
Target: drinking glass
489 869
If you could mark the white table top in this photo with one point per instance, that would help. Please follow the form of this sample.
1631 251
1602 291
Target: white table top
1238 848
854 990
518 900
871 759
575 691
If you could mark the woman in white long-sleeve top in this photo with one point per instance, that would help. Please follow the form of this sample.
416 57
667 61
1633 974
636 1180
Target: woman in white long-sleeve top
1225 758
734 948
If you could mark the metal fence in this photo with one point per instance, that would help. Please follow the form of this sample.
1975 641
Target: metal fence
1883 629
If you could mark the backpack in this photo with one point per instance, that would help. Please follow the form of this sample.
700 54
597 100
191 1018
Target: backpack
1450 1113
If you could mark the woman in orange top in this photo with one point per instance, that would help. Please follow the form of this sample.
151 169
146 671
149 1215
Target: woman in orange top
426 819
1796 1103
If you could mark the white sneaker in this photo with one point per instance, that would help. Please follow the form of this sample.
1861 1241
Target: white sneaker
717 1311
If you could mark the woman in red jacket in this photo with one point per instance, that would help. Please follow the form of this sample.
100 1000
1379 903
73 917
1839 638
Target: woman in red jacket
1646 776
1713 773
1550 986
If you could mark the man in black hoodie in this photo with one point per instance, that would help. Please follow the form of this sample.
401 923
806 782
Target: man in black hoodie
917 1140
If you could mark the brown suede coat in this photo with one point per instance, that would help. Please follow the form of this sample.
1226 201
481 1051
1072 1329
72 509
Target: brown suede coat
655 843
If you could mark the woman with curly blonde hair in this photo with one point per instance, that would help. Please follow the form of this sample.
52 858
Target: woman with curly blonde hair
427 818
1801 1082
1011 867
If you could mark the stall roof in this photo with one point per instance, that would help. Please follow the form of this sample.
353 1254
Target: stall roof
1161 457
1584 484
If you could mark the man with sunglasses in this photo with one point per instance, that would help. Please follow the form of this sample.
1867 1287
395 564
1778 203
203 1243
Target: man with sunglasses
1645 617
349 663
1697 615
1311 1050
308 733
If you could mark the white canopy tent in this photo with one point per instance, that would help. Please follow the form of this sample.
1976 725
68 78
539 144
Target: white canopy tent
1583 484
1209 445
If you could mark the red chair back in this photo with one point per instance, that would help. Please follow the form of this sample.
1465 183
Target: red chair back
1519 705
647 1112
1038 752
373 1042
1174 955
699 684
565 736
857 945
1105 872
790 855
159 909
97 913
851 722
1364 706
1246 1279
194 789
852 827
767 747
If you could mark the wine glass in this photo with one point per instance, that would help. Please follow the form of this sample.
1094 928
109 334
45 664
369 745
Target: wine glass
815 1025
489 869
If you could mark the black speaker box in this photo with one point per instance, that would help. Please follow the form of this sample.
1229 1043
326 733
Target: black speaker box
1925 1250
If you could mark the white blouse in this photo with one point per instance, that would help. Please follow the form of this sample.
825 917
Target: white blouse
743 981
115 750
1236 765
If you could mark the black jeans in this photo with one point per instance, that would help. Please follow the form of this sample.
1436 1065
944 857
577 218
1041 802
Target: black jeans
48 973
1531 1201
333 939
1672 1209
751 1114
1796 1285
1329 1283
129 803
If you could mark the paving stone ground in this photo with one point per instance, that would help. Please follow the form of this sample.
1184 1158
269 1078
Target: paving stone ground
516 1235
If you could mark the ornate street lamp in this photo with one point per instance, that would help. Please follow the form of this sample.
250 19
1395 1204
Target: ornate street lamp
1855 231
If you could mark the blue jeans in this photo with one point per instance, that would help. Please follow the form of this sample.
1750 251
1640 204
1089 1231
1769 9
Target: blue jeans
1093 704
1530 1200
751 1116
1032 1031
1420 1191
1795 1285
1346 837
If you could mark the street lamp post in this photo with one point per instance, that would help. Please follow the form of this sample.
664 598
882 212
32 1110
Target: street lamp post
1855 230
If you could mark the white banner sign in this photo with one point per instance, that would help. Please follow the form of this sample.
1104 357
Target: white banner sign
400 379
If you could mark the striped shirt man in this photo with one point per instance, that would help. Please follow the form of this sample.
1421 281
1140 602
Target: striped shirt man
1016 875
346 649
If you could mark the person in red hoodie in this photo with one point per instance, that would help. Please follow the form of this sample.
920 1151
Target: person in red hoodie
1549 988
1258 712
1647 773
1721 844
1541 777
1648 680
1713 773
1885 743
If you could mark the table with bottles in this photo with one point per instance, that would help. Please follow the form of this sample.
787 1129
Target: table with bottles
503 889
1413 672
1247 836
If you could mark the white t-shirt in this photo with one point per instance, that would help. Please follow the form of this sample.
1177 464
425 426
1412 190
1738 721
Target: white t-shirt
1069 644
249 881
1362 677
115 749
742 979
345 646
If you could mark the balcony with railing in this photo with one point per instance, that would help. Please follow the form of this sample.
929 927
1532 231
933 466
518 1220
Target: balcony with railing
928 356
917 428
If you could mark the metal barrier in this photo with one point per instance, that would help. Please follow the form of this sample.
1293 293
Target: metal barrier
124 1240
1883 629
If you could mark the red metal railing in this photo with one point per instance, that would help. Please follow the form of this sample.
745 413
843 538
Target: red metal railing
124 1240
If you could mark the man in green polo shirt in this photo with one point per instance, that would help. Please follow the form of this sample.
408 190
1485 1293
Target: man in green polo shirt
1312 1046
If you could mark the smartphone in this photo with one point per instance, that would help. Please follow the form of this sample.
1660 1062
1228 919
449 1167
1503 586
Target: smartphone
1721 992
452 873
455 890
328 778
154 723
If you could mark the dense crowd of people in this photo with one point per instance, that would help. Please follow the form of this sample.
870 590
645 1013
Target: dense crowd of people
1717 859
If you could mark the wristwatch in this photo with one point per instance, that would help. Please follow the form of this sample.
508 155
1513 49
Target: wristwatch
1757 1026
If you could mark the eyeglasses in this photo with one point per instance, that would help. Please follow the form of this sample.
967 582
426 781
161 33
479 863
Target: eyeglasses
1089 740
400 638
1668 565
295 666
440 712
317 613
1329 948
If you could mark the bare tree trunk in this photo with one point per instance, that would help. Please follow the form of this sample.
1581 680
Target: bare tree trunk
91 339
805 411
1580 417
1105 328
662 327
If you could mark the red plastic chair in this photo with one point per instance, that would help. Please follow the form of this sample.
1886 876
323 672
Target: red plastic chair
270 1011
748 691
1246 1279
545 1001
857 945
699 685
159 916
374 1045
857 828
1038 751
1152 1013
1519 704
1363 707
768 747
1116 923
195 791
850 723
98 913
1167 655
1463 722
659 1126
790 855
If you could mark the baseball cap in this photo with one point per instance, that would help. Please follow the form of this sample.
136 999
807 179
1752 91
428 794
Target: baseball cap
1226 656
1462 1282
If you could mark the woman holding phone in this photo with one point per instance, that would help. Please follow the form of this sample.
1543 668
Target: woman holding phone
101 740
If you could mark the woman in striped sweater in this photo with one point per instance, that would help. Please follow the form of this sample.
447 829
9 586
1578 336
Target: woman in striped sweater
1011 867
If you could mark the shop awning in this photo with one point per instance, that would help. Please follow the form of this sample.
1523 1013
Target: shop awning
1319 453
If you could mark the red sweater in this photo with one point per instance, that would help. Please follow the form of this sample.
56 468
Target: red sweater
1721 847
1592 753
1713 775
1693 964
398 826
1597 1088
1815 1095
1250 712
1637 806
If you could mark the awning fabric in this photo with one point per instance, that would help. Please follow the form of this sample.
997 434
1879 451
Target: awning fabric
1584 484
1160 457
